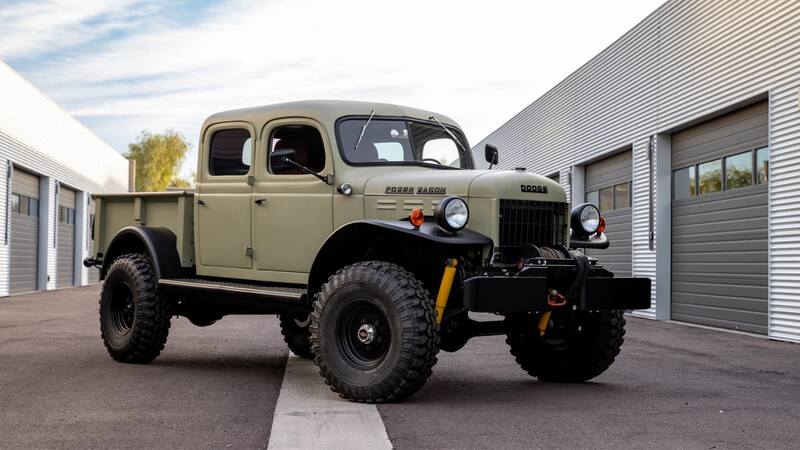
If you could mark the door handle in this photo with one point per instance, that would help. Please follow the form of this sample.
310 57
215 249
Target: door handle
260 201
200 202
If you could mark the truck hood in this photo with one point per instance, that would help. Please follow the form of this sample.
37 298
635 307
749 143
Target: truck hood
508 184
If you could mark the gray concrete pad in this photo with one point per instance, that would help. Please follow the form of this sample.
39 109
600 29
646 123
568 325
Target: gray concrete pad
213 387
673 386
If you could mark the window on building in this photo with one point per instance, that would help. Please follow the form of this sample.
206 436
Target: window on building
710 174
66 215
230 152
33 207
762 165
622 196
15 203
24 205
611 198
607 199
741 170
684 182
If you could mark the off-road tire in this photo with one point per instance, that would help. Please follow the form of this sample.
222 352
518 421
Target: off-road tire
401 357
134 319
296 331
591 348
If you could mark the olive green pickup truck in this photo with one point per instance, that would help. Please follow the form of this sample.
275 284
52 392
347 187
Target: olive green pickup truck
367 229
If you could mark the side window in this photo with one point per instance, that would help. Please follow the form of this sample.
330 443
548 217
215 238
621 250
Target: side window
230 152
307 144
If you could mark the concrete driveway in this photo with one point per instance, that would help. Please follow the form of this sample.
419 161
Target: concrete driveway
673 386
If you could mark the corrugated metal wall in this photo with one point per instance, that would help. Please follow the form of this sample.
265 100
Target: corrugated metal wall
784 305
38 135
688 61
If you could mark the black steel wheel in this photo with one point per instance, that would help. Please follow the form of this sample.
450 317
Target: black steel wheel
374 332
577 346
296 331
134 319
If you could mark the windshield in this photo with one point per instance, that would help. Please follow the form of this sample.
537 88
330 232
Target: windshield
402 141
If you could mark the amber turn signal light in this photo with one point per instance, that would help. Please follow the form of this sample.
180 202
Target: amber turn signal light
602 226
416 217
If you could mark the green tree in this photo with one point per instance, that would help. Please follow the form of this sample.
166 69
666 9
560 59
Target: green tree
158 159
184 182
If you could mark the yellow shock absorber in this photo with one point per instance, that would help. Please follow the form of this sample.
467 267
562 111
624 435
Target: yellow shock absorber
444 288
543 322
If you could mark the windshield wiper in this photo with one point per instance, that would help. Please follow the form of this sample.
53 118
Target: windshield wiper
449 132
363 129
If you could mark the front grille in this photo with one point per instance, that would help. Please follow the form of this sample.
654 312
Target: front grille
543 224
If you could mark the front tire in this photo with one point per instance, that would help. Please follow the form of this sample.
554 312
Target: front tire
576 346
374 332
134 319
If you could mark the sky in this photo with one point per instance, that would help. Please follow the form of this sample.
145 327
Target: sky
124 66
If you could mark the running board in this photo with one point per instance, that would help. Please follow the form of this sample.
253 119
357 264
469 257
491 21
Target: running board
234 297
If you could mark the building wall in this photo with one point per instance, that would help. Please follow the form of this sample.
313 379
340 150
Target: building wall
689 61
37 135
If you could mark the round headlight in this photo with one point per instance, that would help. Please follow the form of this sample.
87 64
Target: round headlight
451 214
585 218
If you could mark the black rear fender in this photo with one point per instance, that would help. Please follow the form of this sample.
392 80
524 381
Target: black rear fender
159 243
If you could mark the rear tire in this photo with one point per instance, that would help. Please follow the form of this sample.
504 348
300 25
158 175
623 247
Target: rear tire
577 346
374 332
134 319
296 332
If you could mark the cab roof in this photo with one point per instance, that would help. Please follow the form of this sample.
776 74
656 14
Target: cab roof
324 111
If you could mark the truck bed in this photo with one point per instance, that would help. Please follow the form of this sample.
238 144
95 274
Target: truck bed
172 210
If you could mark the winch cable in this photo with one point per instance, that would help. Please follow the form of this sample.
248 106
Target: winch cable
582 267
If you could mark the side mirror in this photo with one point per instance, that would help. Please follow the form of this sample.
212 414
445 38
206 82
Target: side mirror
491 155
278 160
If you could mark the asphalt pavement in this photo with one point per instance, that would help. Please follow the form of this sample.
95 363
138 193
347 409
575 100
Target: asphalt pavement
673 386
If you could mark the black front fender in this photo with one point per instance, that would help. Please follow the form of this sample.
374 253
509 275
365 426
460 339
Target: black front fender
352 241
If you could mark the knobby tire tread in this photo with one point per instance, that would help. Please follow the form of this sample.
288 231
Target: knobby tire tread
592 355
148 334
421 332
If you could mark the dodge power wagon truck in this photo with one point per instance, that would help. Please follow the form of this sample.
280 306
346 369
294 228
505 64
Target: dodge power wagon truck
367 229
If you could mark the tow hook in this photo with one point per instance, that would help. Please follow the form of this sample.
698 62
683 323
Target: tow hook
555 299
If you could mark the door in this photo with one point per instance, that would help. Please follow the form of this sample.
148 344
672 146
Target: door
222 201
608 186
293 210
24 232
720 221
65 251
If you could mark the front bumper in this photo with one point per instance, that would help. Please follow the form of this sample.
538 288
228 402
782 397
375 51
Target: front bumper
527 291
